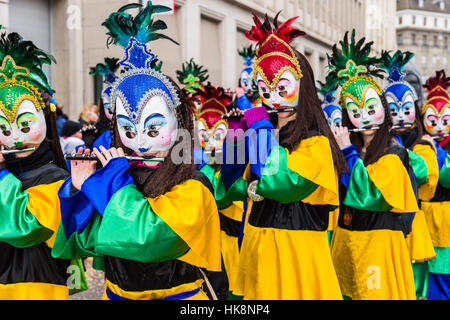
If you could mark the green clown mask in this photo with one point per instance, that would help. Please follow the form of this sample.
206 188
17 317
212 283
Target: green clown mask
353 69
22 120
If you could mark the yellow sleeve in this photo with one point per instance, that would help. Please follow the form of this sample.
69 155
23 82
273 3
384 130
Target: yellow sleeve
391 178
191 211
426 192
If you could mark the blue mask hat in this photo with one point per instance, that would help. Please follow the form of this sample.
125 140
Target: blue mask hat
400 94
248 54
108 70
141 81
332 111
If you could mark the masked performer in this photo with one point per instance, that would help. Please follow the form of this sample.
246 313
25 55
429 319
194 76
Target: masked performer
405 112
247 93
333 114
156 223
292 184
436 119
29 181
193 77
108 71
212 130
378 198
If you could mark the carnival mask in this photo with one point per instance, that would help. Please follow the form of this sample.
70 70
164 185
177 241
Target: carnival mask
22 120
284 95
333 114
246 82
211 128
436 110
365 113
107 105
437 123
401 99
145 109
27 128
276 68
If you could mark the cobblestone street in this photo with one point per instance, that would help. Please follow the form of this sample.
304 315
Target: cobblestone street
96 281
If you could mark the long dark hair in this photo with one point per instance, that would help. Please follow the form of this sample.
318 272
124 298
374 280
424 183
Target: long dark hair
310 117
382 140
154 182
52 131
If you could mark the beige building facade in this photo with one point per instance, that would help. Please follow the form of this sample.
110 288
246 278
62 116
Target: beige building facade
210 31
423 27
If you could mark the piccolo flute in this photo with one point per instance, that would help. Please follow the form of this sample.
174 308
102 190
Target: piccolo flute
364 130
91 157
241 115
440 137
17 151
402 126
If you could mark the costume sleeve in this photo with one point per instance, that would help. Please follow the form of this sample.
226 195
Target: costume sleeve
419 167
352 156
444 172
428 154
27 217
243 103
382 186
79 226
129 228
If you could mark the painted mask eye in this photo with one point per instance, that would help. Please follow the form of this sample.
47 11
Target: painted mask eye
129 133
153 133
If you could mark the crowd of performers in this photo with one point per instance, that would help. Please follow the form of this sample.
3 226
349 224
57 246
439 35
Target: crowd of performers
290 189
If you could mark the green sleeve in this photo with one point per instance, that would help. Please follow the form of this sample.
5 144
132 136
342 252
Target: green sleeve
444 173
210 173
79 245
419 167
362 194
131 230
281 184
19 227
237 192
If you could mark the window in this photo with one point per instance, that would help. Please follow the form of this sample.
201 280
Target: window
424 60
425 39
435 41
413 39
400 20
414 20
434 61
400 39
444 62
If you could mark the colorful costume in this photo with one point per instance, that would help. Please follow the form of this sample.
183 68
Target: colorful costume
251 98
285 253
333 114
212 130
378 200
155 249
436 114
108 71
29 205
402 97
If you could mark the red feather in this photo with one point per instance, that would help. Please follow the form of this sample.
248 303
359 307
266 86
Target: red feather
261 31
439 80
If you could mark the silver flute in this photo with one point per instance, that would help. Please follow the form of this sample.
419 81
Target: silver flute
91 157
364 130
401 126
241 115
17 151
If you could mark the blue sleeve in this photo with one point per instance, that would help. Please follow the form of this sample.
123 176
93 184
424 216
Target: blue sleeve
243 103
261 142
234 164
399 140
352 156
200 158
441 155
76 209
3 173
104 183
104 140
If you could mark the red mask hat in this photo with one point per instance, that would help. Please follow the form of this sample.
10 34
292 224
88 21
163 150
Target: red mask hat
212 129
213 106
436 109
274 55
